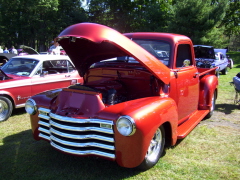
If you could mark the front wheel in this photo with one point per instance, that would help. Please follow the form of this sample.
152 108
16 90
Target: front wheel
6 108
155 150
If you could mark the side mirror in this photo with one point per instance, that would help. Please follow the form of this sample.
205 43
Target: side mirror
186 62
44 73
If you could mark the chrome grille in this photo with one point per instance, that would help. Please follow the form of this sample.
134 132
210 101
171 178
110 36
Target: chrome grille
77 136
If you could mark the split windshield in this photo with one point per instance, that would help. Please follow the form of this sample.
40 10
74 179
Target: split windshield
159 49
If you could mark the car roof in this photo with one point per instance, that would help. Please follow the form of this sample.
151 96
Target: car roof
206 46
44 57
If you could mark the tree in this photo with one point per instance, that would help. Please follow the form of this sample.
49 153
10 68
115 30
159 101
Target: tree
232 19
197 19
128 16
36 23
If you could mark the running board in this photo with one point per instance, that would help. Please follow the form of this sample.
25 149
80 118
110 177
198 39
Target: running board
185 128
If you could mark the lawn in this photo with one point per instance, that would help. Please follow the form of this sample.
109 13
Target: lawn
210 151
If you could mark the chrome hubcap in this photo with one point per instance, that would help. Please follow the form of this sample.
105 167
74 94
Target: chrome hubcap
212 107
154 146
3 109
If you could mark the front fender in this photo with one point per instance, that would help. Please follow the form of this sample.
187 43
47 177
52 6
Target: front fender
45 100
148 114
7 93
208 84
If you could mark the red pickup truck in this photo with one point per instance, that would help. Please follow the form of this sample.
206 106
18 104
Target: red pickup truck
133 102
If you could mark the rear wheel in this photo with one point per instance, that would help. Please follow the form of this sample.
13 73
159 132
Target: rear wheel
155 150
212 106
6 108
224 71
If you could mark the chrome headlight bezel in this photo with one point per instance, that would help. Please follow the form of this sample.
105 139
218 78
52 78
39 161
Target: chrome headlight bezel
31 107
126 125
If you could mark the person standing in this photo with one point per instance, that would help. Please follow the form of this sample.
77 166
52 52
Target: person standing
14 51
56 49
1 50
6 50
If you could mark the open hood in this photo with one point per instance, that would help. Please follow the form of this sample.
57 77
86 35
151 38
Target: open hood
88 43
28 49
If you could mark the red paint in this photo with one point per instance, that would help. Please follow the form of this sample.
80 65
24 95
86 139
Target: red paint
151 93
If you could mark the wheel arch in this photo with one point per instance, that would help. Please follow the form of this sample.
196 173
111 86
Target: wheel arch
168 134
10 98
208 85
148 120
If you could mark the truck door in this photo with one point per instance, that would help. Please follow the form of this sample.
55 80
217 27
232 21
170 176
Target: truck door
187 84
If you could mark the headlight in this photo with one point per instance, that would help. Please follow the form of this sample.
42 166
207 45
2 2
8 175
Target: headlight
126 126
31 107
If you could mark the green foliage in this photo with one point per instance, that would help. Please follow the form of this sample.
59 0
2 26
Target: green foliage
36 23
215 38
232 19
128 16
235 43
196 19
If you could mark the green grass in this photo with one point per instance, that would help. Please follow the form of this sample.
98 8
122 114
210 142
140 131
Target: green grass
210 151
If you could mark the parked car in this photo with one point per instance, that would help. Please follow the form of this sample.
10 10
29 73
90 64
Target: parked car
24 50
4 57
206 57
224 51
24 76
132 102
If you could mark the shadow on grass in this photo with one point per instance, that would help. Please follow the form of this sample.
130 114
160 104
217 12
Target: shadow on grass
24 158
18 111
226 108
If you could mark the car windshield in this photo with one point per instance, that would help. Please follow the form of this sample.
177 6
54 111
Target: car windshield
20 66
159 49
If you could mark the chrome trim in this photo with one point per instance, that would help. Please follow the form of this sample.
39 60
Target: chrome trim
41 109
77 136
74 120
44 137
44 124
67 143
87 152
34 106
44 117
44 130
132 122
20 105
84 129
66 135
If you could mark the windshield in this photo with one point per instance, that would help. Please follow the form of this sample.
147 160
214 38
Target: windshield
20 66
159 49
